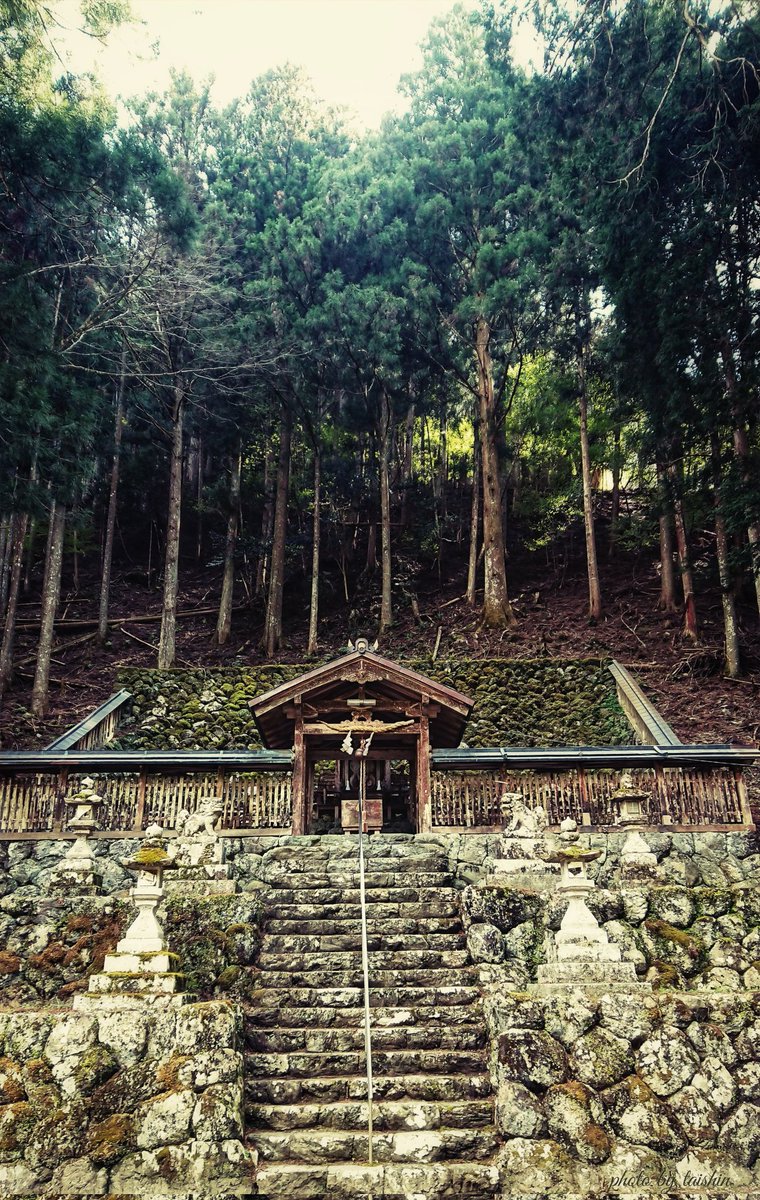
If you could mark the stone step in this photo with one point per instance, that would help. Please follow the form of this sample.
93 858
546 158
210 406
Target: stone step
419 977
300 943
319 896
318 1016
374 860
348 960
394 1181
339 1145
373 878
312 926
400 1037
379 997
437 907
303 1064
386 1114
330 1089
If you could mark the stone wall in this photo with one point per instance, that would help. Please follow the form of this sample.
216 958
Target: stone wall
697 927
123 1103
50 947
528 702
627 1094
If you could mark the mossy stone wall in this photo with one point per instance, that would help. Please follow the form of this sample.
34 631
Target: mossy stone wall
524 702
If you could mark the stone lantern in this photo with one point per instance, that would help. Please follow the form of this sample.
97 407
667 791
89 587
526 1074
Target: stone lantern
638 864
631 801
142 968
76 871
145 938
584 954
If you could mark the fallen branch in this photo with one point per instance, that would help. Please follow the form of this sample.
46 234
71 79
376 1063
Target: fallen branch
135 638
437 642
456 600
137 618
30 658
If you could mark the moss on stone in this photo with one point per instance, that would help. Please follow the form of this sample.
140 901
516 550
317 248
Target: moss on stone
666 977
691 950
10 964
529 702
95 1066
17 1122
110 1139
167 1075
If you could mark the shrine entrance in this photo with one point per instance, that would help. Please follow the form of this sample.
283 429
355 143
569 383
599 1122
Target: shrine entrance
361 705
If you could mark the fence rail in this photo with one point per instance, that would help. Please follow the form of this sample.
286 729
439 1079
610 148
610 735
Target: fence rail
686 786
35 803
692 796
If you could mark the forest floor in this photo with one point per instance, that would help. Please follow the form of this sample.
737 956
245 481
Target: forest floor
685 681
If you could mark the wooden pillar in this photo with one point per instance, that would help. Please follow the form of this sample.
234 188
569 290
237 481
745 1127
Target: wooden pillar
424 804
299 773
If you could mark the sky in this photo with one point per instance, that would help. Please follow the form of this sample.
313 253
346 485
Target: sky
354 50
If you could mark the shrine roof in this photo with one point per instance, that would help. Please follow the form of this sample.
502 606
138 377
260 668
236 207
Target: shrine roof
382 681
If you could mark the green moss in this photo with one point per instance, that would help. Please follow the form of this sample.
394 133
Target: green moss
17 1123
95 1066
110 1139
669 933
666 978
526 702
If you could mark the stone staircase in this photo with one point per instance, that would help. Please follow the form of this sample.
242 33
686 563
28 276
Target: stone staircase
306 1087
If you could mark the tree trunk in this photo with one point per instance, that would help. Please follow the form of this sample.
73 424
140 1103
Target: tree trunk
272 638
311 647
371 564
733 656
385 440
687 579
51 591
743 457
167 638
407 465
224 621
267 522
113 494
592 567
6 544
199 502
742 452
668 599
472 562
29 557
616 473
497 612
19 527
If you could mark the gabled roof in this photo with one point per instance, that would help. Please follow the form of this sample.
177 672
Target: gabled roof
334 682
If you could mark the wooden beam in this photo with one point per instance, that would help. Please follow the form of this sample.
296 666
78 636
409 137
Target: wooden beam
424 801
299 777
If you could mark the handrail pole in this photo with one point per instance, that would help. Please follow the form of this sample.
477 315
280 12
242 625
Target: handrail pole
365 948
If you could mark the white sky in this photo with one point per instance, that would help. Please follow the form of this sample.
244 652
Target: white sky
354 50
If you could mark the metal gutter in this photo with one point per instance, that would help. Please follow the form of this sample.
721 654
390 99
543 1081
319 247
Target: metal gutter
151 760
543 758
66 740
648 724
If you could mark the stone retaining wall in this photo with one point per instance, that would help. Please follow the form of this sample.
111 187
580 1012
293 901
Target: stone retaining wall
123 1103
518 702
49 948
628 1094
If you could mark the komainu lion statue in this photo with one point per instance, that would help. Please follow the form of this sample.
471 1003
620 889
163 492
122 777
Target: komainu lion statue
525 822
204 820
